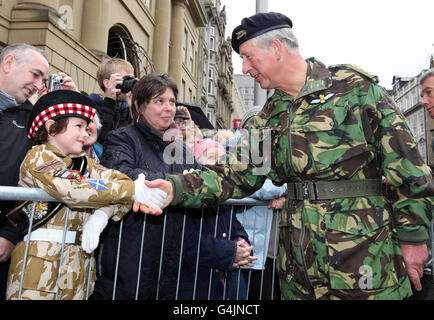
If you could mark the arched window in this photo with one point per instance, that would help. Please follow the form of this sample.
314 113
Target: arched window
120 45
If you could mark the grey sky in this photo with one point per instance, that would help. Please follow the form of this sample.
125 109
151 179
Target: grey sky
384 37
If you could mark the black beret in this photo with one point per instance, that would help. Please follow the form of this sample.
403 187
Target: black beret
59 104
256 25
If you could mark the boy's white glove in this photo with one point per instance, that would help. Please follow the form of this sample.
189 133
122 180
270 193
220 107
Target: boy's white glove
152 197
92 228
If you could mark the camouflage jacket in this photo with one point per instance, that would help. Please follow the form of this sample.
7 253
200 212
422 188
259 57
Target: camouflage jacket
341 126
45 167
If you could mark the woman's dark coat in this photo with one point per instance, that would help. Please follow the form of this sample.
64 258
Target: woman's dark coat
217 250
133 150
139 149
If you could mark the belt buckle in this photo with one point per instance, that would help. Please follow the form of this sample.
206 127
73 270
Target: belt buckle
305 190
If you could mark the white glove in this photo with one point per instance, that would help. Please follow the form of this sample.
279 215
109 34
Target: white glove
92 229
152 197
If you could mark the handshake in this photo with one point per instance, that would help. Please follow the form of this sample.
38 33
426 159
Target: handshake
149 197
152 196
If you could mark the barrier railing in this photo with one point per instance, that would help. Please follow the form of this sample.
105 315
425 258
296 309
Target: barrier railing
34 194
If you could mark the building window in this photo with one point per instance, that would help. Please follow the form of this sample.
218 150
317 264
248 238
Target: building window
413 123
191 56
196 60
147 3
211 38
210 87
184 47
211 81
209 116
121 45
182 90
422 122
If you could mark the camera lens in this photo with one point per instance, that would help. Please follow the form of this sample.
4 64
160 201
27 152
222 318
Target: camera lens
127 84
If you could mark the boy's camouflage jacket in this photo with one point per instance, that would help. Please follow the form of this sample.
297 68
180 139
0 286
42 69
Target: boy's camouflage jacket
97 187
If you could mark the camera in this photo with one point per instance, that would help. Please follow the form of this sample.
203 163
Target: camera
127 85
54 82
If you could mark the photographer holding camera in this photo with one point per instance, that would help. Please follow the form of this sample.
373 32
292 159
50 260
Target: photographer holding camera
114 107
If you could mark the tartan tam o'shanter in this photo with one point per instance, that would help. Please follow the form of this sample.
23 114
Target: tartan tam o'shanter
59 104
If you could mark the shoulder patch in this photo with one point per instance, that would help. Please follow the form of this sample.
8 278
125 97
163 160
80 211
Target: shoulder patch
97 184
48 166
353 67
68 174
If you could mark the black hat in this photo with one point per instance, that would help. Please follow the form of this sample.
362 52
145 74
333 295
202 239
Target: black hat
59 104
256 25
180 114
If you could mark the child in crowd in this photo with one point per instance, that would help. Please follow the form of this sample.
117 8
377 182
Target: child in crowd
192 136
58 165
91 146
223 243
114 106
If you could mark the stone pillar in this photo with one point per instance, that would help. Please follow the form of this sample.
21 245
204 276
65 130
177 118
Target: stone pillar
95 26
177 39
161 45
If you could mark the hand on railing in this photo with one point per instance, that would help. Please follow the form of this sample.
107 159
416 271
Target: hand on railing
243 256
92 228
277 203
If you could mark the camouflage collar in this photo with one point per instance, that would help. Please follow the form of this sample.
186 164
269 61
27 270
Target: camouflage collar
280 101
318 78
60 154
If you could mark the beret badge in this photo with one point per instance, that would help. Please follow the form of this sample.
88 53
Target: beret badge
240 34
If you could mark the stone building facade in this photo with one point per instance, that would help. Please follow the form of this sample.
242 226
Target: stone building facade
406 93
154 35
216 76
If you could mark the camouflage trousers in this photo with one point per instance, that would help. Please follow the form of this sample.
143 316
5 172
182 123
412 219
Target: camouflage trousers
41 274
334 255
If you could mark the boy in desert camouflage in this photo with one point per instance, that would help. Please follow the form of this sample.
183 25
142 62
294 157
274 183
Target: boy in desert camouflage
58 165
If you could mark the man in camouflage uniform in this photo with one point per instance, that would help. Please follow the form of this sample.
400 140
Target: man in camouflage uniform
334 134
80 183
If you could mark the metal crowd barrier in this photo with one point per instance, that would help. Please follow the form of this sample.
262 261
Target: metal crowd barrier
34 194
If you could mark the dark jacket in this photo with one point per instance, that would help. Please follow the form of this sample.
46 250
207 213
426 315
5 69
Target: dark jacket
14 145
216 254
113 115
133 150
